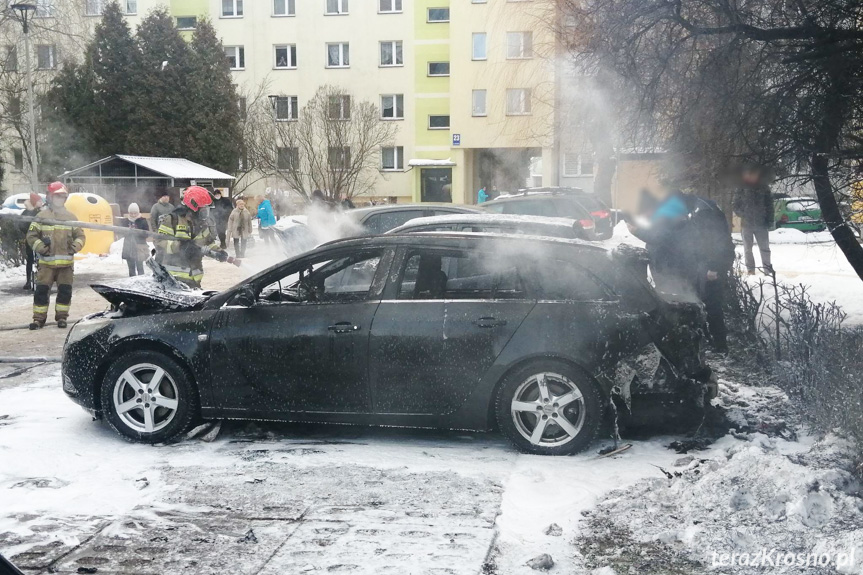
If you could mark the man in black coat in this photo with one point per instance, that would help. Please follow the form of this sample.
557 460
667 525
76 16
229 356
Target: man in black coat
754 204
221 211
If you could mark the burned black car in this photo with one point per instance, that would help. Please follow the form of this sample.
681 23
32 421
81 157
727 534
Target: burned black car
539 337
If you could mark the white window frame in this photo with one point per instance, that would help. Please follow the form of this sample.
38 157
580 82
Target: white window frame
239 56
52 56
428 15
473 51
131 7
195 18
447 127
398 164
524 42
344 152
293 103
44 9
396 99
395 6
290 9
342 8
94 7
397 47
344 54
581 158
238 9
473 106
344 107
525 100
291 50
10 64
429 73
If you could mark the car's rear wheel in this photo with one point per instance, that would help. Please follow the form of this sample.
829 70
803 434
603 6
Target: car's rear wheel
549 408
147 397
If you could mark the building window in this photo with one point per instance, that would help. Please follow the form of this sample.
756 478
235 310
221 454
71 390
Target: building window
286 56
284 7
187 22
232 8
518 102
519 45
393 158
94 7
391 54
11 62
578 164
389 6
131 7
46 57
337 7
438 69
338 55
479 46
393 107
438 15
241 104
287 158
339 158
18 159
236 57
339 107
478 103
287 108
14 106
44 8
438 122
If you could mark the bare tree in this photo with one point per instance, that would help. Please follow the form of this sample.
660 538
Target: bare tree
718 82
332 144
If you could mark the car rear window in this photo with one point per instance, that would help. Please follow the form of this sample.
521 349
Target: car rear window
571 208
535 207
802 205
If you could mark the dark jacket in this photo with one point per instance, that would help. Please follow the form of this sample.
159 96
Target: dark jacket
29 212
754 205
708 238
135 246
221 211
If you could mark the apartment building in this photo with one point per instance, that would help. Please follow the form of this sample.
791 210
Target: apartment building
471 84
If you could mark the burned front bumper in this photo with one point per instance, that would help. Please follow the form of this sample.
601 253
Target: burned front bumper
83 354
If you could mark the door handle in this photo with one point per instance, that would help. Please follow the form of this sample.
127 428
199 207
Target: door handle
344 327
489 322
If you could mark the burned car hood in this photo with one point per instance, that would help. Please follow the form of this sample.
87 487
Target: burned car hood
147 293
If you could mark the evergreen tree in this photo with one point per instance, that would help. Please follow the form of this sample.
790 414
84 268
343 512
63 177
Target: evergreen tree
68 113
216 120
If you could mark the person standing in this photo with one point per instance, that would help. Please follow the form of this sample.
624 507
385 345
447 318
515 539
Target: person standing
56 246
32 207
135 248
240 228
161 208
221 210
754 204
193 239
481 196
267 219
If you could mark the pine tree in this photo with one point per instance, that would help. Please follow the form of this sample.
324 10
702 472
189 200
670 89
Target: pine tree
216 119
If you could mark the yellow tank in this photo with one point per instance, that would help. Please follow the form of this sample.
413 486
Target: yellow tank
96 210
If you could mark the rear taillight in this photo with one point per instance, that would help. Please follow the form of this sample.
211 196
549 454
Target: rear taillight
586 224
600 214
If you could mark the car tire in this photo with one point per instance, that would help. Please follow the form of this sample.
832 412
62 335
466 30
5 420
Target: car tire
144 411
568 425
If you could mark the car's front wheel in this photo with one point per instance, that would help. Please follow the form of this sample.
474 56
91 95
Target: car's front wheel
147 397
549 408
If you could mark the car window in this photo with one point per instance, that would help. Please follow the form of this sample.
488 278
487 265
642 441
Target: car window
459 275
494 207
343 279
572 208
590 203
801 205
531 208
385 221
563 280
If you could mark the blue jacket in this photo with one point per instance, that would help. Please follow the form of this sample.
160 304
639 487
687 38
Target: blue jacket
266 215
481 196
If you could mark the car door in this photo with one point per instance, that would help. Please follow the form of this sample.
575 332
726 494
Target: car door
303 345
445 318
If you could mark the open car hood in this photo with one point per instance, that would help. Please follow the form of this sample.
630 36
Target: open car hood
157 292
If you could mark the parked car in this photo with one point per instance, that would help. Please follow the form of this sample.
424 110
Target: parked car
499 223
802 214
381 219
536 336
572 203
17 201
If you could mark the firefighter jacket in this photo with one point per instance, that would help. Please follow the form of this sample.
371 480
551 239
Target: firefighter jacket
184 255
63 241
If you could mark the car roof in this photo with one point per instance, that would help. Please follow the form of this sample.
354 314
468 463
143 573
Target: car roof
546 190
458 240
486 218
362 213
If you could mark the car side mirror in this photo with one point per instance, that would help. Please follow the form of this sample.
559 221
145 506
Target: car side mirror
245 297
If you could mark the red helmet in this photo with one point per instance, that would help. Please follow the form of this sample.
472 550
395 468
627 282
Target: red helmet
196 198
57 188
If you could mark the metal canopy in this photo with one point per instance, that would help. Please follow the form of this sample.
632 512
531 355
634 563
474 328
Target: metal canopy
170 168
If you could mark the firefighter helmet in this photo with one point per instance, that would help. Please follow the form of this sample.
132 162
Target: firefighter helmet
196 198
57 188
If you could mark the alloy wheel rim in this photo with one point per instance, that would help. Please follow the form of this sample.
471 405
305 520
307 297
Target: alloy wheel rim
145 398
548 409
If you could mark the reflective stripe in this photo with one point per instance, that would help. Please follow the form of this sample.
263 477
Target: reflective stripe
51 228
40 309
57 258
60 307
35 226
38 245
166 230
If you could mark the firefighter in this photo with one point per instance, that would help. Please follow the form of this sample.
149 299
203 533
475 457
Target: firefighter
193 238
55 246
